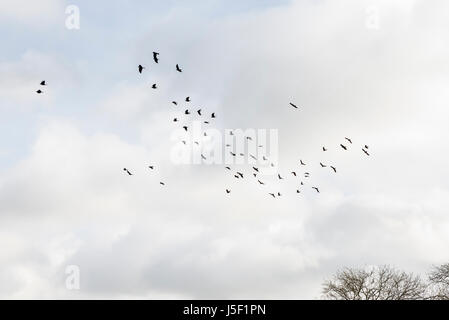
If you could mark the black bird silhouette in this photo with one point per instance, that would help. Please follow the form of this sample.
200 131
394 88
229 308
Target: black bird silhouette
231 133
228 191
242 154
324 149
127 171
272 194
212 115
229 168
206 122
253 157
366 152
154 86
203 157
302 183
249 138
43 83
256 169
260 182
187 112
316 189
240 174
178 68
333 168
322 165
366 146
232 153
344 147
39 91
306 174
197 143
175 103
279 176
294 173
302 163
350 141
279 194
175 119
294 105
297 191
183 141
185 128
161 183
236 176
264 158
255 175
155 58
199 111
151 167
188 99
141 68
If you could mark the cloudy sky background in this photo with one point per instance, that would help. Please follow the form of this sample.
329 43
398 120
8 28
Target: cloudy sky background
65 200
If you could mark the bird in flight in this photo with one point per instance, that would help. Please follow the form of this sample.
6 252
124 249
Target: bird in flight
294 105
324 149
39 91
229 168
141 68
297 191
240 174
294 173
188 99
232 153
206 122
161 183
350 141
155 58
154 86
203 157
366 147
228 191
317 190
212 115
302 163
178 68
344 147
279 176
256 169
199 111
151 167
127 171
175 103
333 168
260 182
279 194
43 83
366 152
187 112
175 119
272 194
185 128
322 165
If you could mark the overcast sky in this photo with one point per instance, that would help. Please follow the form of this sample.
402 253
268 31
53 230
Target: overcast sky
376 71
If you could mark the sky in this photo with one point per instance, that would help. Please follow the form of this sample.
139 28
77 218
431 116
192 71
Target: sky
376 71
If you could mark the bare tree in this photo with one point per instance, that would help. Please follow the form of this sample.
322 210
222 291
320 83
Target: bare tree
374 283
439 281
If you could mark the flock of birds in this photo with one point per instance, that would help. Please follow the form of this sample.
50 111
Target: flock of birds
255 171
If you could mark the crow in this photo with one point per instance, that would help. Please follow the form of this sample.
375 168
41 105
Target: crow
316 189
127 171
151 167
350 141
187 112
39 91
260 182
188 99
272 194
322 165
324 149
229 168
203 157
155 58
141 68
154 86
256 169
366 152
175 119
279 176
293 105
240 174
344 147
333 168
175 103
161 183
212 115
228 191
294 173
199 111
43 83
178 68
185 128
302 163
